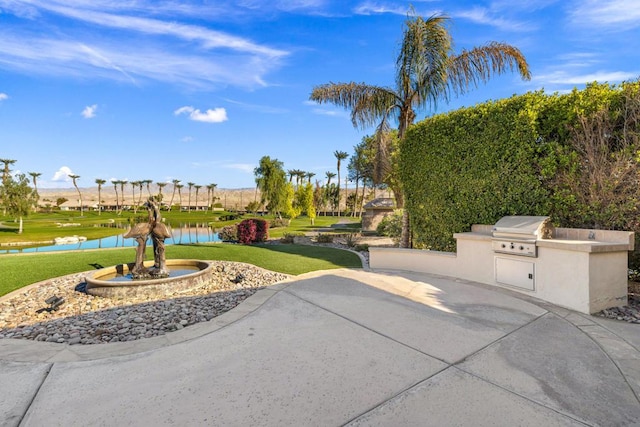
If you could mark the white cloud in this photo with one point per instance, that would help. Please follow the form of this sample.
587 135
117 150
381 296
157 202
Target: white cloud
617 15
158 46
89 111
187 139
216 115
371 8
62 174
483 16
3 96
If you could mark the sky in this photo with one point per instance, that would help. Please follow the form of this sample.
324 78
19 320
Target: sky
200 90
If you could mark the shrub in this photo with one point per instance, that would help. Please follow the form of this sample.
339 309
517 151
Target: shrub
253 231
228 233
279 222
350 239
391 226
361 247
324 238
289 237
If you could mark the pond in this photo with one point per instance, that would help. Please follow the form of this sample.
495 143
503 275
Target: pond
180 235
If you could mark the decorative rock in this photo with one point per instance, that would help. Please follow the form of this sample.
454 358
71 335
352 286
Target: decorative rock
86 320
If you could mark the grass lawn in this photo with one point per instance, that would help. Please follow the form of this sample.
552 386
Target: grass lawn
21 270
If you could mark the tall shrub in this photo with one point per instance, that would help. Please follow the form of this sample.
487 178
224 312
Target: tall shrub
572 156
470 166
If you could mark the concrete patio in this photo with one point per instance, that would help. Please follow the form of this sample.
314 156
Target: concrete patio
343 347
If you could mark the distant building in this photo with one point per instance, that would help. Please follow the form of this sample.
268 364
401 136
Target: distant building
375 211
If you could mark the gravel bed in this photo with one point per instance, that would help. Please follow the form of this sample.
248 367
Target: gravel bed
87 319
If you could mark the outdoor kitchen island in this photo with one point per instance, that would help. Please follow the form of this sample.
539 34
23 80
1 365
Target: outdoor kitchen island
580 269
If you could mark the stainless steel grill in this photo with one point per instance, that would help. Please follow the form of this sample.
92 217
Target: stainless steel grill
517 235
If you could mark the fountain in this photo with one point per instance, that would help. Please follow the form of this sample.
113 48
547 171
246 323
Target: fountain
151 277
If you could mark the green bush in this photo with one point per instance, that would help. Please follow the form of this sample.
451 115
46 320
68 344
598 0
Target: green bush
228 233
391 226
361 247
289 237
526 155
324 238
279 222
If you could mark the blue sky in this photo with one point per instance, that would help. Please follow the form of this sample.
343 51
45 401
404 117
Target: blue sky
201 90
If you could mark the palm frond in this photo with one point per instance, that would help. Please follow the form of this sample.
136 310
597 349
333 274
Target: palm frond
368 104
477 65
421 66
382 159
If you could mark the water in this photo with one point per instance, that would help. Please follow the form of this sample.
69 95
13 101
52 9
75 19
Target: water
180 235
181 270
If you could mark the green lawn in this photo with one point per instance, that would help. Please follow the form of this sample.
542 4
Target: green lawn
21 270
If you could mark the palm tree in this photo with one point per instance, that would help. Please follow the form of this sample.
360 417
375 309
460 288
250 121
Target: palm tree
175 186
100 182
190 184
134 184
122 182
75 184
179 187
309 175
427 70
329 176
197 187
147 183
34 177
340 156
161 185
140 185
115 183
211 188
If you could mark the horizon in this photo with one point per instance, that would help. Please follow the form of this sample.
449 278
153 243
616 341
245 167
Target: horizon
163 90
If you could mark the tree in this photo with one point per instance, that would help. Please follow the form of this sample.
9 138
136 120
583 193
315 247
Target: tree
211 188
272 182
5 169
134 184
34 177
19 197
115 183
100 182
427 71
175 187
75 184
160 185
5 175
190 184
197 187
340 156
147 183
179 187
309 175
122 183
327 190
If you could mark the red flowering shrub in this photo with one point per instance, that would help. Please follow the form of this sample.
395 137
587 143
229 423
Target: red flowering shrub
252 231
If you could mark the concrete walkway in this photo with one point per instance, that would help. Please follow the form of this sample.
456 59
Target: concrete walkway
343 347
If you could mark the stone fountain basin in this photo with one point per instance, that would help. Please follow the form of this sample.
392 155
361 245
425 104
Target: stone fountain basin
100 283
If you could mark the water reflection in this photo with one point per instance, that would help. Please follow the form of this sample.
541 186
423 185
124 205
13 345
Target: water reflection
183 234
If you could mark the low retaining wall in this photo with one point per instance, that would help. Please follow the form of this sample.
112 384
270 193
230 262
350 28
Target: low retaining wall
572 270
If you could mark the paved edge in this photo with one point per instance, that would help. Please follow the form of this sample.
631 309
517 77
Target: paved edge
30 351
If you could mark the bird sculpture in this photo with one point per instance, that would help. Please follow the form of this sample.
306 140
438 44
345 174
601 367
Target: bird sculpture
140 232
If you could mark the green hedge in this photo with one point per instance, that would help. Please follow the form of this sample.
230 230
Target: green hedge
506 157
